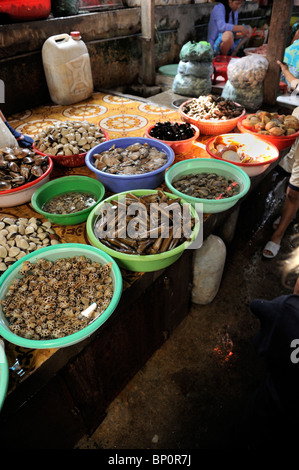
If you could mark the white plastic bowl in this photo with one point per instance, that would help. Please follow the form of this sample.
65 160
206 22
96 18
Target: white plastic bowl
22 194
255 146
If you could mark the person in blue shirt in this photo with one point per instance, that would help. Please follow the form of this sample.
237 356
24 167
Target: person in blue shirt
225 35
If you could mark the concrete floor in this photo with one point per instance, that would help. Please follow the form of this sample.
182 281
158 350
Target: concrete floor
192 391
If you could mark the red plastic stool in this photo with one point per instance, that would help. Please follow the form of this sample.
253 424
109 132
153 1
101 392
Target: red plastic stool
220 63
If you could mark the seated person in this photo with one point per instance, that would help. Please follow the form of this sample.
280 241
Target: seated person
224 34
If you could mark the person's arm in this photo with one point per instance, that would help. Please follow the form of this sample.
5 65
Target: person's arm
223 26
293 81
2 116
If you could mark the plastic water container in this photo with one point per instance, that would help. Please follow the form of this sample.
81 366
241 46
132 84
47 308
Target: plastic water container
67 68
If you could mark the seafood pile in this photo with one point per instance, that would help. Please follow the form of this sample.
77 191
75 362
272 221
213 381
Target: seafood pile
159 227
233 151
274 124
20 236
49 301
207 186
172 131
68 203
69 138
19 166
212 108
133 160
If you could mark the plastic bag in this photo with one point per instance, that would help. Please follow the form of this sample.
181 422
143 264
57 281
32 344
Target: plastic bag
250 98
6 137
65 7
197 69
197 51
247 72
189 85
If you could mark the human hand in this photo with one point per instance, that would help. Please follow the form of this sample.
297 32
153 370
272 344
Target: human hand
244 31
284 67
249 31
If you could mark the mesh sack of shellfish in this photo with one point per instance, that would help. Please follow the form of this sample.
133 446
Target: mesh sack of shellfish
68 142
247 72
251 98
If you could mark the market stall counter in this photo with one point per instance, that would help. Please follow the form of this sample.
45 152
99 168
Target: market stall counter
56 395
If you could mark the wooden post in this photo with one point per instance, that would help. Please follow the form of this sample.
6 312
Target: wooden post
148 41
278 33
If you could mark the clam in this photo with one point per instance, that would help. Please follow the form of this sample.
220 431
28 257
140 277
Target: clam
135 159
69 138
20 166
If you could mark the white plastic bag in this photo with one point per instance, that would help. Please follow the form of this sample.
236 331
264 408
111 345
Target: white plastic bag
247 72
6 137
197 69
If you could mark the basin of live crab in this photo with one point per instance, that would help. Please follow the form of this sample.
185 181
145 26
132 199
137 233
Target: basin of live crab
164 227
22 171
130 163
250 153
58 296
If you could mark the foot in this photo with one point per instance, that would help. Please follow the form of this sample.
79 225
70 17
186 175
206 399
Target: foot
271 249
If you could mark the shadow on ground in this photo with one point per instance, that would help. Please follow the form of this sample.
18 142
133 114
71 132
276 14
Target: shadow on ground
192 391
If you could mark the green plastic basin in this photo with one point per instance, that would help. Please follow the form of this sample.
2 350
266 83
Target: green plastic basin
208 165
140 263
64 185
63 250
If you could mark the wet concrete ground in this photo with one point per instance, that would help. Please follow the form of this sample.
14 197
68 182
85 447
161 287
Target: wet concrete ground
192 391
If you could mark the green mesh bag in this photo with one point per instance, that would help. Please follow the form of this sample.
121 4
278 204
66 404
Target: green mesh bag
197 51
65 7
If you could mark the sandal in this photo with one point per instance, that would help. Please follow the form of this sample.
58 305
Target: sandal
271 249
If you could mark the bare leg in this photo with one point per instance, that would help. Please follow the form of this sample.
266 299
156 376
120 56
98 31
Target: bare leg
289 211
227 41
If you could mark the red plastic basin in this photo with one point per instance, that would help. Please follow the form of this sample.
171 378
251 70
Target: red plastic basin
25 10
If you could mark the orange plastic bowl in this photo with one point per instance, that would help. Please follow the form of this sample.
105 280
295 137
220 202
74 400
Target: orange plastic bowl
209 126
254 146
281 142
178 146
69 161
